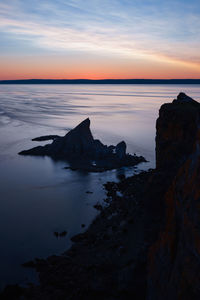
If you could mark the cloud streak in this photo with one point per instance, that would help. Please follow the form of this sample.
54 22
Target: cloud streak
123 28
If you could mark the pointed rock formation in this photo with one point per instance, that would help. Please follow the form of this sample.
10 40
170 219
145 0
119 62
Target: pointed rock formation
84 152
121 150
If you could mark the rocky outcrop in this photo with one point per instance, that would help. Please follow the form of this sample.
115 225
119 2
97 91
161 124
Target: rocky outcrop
174 259
121 150
84 152
177 128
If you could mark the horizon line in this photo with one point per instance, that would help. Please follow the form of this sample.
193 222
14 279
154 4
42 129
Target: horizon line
106 80
101 79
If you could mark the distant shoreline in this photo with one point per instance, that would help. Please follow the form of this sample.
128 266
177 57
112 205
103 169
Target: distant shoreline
101 81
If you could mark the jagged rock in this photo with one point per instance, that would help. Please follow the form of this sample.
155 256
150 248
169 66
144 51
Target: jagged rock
177 128
84 152
183 98
174 259
121 150
79 141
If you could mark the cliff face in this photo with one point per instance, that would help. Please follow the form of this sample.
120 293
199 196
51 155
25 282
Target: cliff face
177 128
174 259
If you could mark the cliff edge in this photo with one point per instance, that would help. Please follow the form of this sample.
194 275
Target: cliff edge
174 259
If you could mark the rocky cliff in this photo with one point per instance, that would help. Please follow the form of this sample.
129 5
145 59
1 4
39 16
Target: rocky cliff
174 259
176 131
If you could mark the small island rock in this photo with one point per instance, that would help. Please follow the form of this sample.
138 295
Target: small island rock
82 151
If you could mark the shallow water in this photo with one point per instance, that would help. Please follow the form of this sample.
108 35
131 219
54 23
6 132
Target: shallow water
39 197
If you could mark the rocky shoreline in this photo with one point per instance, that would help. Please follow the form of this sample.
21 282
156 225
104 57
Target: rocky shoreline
145 242
99 256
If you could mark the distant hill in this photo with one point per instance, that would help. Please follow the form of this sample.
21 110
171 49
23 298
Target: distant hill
101 81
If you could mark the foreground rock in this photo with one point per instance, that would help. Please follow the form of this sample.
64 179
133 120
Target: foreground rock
82 151
177 130
145 244
174 259
105 262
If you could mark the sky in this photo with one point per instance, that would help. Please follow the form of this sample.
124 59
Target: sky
99 39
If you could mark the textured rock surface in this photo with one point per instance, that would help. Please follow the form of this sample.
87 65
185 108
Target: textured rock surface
177 128
84 152
174 259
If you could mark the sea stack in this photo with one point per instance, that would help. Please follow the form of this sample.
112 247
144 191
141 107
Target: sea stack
82 151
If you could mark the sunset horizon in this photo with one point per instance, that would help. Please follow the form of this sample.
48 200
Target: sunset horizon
98 40
97 79
100 149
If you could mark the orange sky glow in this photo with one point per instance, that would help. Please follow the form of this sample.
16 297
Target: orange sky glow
99 39
47 67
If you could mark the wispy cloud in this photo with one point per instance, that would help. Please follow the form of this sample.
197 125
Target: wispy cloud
169 31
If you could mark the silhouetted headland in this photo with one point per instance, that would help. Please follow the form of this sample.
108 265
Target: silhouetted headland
101 81
83 152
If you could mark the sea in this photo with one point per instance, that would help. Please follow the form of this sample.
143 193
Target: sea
38 197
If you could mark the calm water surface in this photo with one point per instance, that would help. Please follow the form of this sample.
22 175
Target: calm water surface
37 196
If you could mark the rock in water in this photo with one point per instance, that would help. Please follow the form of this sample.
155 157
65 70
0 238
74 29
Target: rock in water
45 138
84 152
77 142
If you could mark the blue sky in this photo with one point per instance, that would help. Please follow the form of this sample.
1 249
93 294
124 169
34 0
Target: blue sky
150 30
